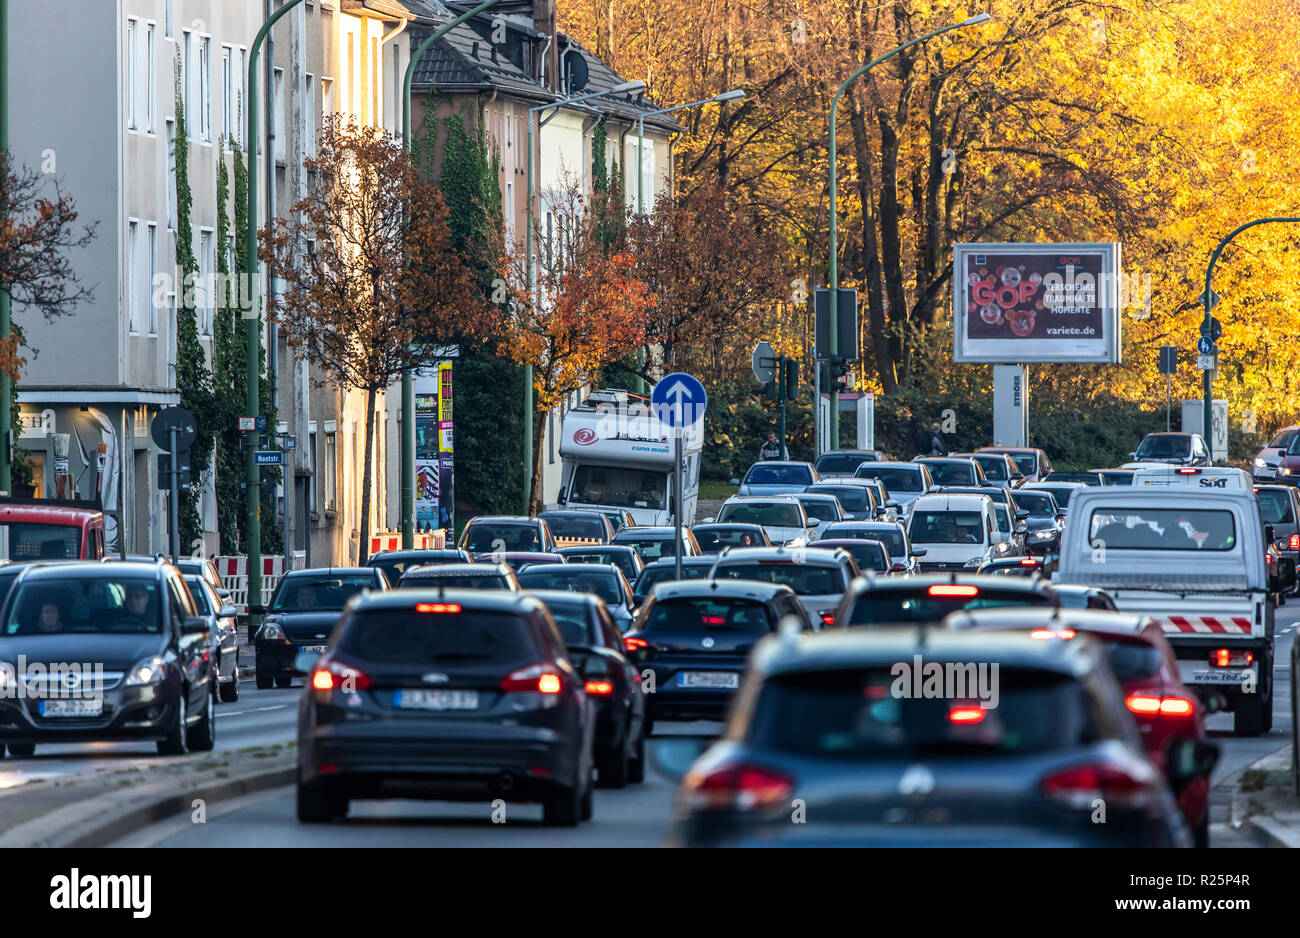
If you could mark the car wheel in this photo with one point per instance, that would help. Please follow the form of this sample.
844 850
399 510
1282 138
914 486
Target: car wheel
264 681
588 803
174 744
283 682
612 768
22 750
1248 718
202 736
636 765
230 690
317 804
2 751
562 807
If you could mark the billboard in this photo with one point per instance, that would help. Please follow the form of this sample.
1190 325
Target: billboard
434 460
1021 303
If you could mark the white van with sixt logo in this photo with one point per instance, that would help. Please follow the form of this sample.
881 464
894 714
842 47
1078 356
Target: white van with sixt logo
1197 565
1203 478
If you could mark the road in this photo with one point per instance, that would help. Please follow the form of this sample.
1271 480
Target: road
638 816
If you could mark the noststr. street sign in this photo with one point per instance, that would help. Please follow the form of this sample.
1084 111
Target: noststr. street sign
267 457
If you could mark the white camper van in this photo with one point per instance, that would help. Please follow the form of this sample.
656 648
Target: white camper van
616 454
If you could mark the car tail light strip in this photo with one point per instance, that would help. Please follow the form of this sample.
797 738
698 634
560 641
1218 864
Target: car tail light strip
1204 624
1151 705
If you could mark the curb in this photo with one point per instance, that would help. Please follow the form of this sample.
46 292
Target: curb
99 821
1264 829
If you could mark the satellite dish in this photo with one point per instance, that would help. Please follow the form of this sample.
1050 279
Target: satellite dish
576 72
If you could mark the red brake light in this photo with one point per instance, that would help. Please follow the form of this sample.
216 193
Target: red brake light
1294 542
538 677
1176 707
600 688
1227 658
1052 633
828 618
1081 785
334 675
965 714
953 590
738 788
322 680
1028 562
1188 471
714 620
437 607
635 644
1141 703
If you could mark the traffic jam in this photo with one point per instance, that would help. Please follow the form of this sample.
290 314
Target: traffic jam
866 650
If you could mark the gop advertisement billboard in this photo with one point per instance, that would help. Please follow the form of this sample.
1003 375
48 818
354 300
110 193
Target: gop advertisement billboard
1024 303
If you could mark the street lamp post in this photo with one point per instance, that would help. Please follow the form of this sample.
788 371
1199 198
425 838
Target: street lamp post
408 378
733 95
1207 298
626 87
6 325
252 324
834 342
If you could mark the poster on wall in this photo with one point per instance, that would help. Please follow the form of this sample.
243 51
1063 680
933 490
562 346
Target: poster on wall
1021 303
434 465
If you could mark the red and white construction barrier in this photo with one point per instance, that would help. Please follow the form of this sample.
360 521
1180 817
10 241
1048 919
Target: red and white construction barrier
433 540
233 571
1223 625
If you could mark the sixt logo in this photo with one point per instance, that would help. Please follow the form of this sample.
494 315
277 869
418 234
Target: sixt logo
1219 483
584 437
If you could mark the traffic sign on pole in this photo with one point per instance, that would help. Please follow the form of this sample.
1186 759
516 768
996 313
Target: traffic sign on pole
179 419
1205 345
247 424
269 457
1213 329
763 362
1214 299
679 400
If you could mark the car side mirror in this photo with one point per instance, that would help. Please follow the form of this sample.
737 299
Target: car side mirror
194 625
1132 456
708 521
1021 528
223 593
1022 514
890 503
228 612
919 553
1190 758
1060 518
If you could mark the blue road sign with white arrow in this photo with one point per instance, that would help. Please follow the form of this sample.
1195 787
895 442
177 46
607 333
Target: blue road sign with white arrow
679 400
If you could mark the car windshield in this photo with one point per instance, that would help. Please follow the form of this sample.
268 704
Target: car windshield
891 537
455 581
1275 506
775 514
995 468
1061 493
487 537
42 541
760 474
856 713
805 578
946 527
1038 504
870 555
819 509
651 576
568 526
930 604
852 497
1165 447
621 488
394 567
562 577
620 558
841 463
1163 529
319 594
650 547
200 595
1282 440
951 473
1122 477
405 636
713 540
895 478
49 605
708 615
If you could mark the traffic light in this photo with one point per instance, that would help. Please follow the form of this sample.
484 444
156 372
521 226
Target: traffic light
840 371
791 379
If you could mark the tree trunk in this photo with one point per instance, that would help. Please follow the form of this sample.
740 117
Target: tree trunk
535 477
886 367
363 531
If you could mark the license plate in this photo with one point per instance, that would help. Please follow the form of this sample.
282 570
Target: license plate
436 699
314 649
1220 676
71 708
728 679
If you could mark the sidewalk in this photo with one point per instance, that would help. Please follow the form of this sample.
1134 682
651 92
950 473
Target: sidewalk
1264 806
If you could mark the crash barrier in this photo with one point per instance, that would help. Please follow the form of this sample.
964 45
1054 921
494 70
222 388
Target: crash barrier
233 570
430 540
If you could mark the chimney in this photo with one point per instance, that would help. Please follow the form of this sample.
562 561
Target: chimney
544 22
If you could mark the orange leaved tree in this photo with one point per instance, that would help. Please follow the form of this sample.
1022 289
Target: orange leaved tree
372 284
587 310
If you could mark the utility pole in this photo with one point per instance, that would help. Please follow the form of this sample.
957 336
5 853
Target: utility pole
6 322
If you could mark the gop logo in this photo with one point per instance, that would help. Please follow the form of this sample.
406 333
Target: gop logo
585 436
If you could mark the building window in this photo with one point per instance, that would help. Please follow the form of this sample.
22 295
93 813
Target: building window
151 262
242 84
315 481
187 82
205 87
227 95
169 19
205 291
309 115
510 212
133 275
151 78
130 75
277 116
327 98
171 174
376 116
331 447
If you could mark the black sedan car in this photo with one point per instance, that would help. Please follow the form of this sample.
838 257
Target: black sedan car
613 683
1042 524
1020 759
396 562
302 614
111 652
474 576
448 695
223 634
665 571
621 555
927 598
603 580
694 638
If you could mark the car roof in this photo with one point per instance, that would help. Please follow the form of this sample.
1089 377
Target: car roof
950 502
811 554
330 571
594 548
1171 433
1058 483
710 525
859 525
94 568
722 589
894 464
1054 617
570 513
605 568
417 554
845 543
825 497
782 462
504 519
457 569
761 498
864 647
692 561
652 530
476 599
550 596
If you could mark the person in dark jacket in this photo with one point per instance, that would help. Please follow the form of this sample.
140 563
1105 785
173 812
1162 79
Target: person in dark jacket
930 443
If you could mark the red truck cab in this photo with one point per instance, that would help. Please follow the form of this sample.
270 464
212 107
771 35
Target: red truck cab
49 529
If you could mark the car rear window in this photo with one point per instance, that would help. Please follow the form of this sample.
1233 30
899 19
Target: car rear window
866 713
946 527
713 540
948 473
650 547
1061 493
482 538
404 636
651 576
804 578
453 581
852 497
560 577
995 467
708 615
895 478
778 475
892 538
1163 529
920 604
870 555
320 594
570 526
574 621
1275 506
840 462
1133 660
777 515
818 509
